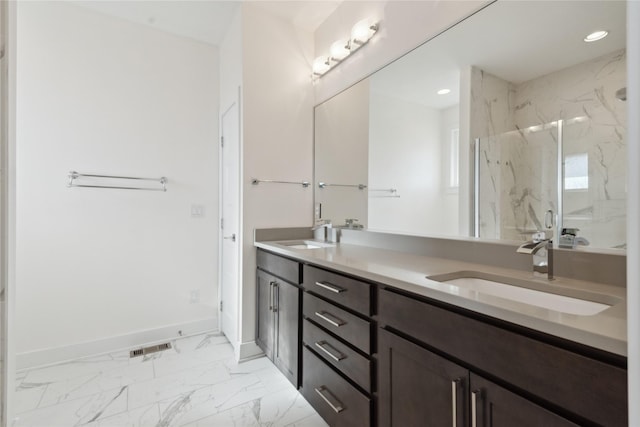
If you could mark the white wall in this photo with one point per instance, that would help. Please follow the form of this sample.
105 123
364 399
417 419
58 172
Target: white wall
406 153
341 131
5 208
101 95
633 210
277 138
231 62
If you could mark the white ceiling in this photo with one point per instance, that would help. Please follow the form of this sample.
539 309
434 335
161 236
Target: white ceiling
207 20
307 15
514 40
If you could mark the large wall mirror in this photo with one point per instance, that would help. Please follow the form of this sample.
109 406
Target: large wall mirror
507 123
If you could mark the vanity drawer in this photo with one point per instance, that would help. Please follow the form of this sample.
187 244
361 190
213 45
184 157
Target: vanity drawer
581 385
284 268
348 292
338 402
339 355
347 326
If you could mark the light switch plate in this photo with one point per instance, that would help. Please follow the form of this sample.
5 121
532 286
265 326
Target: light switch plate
197 211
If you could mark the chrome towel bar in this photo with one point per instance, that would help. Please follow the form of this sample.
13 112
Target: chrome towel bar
358 186
256 181
384 190
73 176
374 193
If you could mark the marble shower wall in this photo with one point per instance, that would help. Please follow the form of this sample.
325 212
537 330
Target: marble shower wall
491 114
595 124
517 170
517 124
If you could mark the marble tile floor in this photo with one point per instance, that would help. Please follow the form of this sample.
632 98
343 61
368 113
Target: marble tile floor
195 383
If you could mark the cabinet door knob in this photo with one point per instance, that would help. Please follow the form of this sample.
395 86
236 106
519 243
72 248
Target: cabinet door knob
232 237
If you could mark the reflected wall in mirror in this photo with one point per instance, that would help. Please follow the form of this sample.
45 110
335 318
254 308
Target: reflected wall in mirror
505 124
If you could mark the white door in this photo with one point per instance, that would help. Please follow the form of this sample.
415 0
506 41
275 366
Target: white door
230 221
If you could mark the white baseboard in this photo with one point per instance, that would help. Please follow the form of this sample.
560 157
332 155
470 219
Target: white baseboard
129 341
247 351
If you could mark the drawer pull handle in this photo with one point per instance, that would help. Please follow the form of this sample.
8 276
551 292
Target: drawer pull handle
330 287
474 408
330 318
271 284
330 351
454 400
326 395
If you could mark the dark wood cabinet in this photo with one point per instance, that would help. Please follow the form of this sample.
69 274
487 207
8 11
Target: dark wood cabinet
287 330
494 406
417 387
337 377
368 354
582 387
338 402
266 323
278 318
341 356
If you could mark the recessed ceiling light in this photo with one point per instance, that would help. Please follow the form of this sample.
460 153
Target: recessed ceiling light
596 35
444 91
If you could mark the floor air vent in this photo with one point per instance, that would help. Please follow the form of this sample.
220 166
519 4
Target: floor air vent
149 350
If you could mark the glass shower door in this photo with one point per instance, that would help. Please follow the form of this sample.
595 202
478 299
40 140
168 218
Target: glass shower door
517 182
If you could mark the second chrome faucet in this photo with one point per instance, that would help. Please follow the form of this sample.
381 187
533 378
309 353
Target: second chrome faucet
541 248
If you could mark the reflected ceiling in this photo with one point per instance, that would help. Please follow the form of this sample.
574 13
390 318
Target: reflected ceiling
547 48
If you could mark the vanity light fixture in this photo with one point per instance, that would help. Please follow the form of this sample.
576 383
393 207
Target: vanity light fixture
321 65
361 33
443 91
596 35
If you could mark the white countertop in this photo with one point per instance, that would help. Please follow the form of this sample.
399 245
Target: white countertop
606 330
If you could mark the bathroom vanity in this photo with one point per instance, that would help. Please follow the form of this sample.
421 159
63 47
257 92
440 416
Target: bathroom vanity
377 343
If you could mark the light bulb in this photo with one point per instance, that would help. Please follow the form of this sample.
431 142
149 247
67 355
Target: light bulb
363 31
339 50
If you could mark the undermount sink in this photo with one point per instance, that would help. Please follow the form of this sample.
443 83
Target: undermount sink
548 296
306 244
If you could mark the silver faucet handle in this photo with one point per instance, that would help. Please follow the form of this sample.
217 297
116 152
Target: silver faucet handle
539 236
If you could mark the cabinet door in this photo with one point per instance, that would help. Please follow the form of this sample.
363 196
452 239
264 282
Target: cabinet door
493 406
265 334
417 387
287 335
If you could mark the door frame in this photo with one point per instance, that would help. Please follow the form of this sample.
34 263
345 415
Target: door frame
239 233
8 21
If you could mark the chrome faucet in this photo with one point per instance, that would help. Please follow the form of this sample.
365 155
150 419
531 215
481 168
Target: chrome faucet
541 248
351 223
321 229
